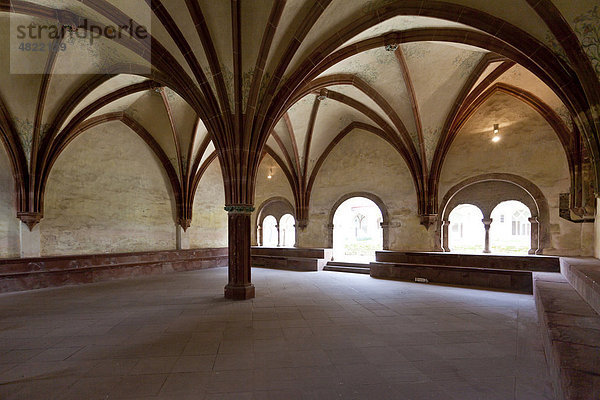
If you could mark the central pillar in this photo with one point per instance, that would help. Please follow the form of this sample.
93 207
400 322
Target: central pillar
487 223
239 286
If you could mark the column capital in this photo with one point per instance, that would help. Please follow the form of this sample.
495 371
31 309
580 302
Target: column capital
31 219
239 208
487 222
185 223
428 219
302 223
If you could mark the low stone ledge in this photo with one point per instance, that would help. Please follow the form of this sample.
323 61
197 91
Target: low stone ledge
289 263
517 281
487 261
44 272
12 265
290 258
584 275
296 252
571 337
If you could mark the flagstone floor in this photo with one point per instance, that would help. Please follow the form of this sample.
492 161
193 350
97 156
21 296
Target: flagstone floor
307 335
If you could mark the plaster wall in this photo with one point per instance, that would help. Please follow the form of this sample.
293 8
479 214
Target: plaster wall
363 162
529 148
277 186
107 192
209 218
9 224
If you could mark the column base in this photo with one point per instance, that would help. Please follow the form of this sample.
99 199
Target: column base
242 292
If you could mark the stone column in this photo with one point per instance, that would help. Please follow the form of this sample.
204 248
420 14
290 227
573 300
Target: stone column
259 238
295 236
239 286
486 224
445 226
30 241
535 235
278 235
183 238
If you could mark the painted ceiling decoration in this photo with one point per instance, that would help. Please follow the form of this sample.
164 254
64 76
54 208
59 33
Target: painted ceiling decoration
235 80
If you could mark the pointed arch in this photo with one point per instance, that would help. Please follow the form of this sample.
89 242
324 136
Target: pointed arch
565 136
137 128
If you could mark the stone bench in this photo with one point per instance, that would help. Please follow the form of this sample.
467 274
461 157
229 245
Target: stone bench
488 261
584 275
293 259
43 272
571 336
517 281
292 252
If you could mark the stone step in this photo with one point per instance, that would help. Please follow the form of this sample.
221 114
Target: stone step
348 264
488 261
571 337
355 268
484 278
584 275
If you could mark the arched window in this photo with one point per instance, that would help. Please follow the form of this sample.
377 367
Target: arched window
466 233
287 230
277 208
269 232
357 231
510 232
532 221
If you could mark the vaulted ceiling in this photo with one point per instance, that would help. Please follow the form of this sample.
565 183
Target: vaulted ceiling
233 78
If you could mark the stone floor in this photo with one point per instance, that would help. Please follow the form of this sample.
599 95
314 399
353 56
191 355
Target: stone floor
307 335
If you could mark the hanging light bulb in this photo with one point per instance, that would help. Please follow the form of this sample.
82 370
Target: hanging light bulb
496 137
270 173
